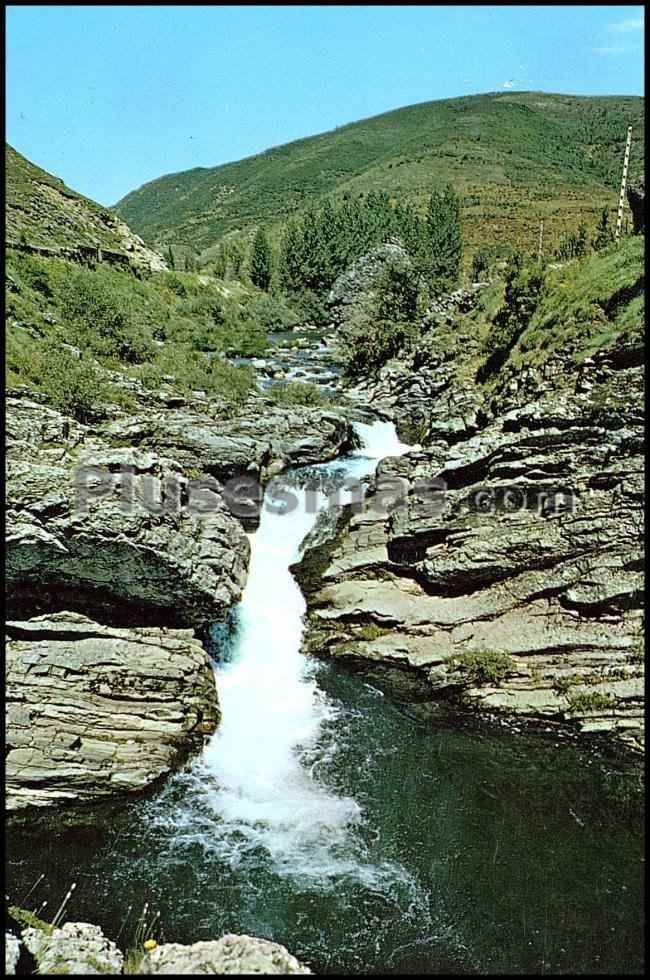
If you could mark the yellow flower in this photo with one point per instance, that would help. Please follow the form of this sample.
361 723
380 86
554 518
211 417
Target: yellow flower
150 944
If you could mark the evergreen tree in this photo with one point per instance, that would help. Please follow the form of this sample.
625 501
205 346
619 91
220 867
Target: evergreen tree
603 232
261 260
443 242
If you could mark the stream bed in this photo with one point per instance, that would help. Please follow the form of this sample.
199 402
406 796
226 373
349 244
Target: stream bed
325 818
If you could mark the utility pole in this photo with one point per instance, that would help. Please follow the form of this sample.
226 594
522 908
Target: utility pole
541 239
621 199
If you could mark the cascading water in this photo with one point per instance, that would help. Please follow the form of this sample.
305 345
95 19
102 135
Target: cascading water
259 783
322 817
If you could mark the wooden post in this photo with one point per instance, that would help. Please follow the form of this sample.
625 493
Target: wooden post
541 239
621 199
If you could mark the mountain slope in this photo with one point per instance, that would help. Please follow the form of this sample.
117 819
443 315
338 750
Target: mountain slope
516 157
42 212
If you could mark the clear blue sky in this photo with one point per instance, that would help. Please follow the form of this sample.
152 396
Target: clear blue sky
110 97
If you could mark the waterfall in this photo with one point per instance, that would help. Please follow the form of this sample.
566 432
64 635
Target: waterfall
273 710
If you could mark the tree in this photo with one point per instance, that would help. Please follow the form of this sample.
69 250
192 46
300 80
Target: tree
443 242
604 233
261 260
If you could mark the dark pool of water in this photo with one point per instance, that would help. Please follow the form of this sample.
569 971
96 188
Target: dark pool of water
476 853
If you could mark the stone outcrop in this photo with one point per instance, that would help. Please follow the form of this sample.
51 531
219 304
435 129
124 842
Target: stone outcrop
74 948
425 395
260 441
511 578
89 527
244 955
81 948
94 710
351 286
636 199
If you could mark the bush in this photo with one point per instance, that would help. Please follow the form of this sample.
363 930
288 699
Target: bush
271 312
100 321
297 393
522 293
483 666
370 345
481 263
591 701
71 385
193 371
397 294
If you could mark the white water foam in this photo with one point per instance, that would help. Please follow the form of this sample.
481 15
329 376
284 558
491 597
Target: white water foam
273 710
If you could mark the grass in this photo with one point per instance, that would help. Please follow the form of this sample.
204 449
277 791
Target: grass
483 666
591 701
516 158
584 306
588 303
370 631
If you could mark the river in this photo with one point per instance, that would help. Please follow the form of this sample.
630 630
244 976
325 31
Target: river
323 817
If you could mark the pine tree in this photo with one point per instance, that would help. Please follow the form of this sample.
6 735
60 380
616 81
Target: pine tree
441 255
603 232
261 260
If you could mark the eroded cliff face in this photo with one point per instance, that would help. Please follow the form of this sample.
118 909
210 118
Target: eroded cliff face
93 710
510 579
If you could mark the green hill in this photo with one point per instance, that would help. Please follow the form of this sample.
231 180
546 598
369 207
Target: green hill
515 157
44 216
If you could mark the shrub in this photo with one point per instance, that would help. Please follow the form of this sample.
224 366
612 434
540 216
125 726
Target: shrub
591 701
522 293
176 284
397 293
370 345
73 386
100 320
297 393
483 666
271 312
193 371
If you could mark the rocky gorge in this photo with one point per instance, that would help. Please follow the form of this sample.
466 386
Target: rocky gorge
109 569
507 578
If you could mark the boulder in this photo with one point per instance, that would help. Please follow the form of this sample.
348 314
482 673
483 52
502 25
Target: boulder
94 710
243 955
75 947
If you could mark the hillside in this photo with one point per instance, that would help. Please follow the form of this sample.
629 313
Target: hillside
516 158
41 212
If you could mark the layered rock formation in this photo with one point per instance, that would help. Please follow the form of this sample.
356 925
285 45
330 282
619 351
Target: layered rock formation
93 710
90 527
510 579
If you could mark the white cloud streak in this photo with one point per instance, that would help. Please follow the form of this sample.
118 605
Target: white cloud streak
627 25
615 50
